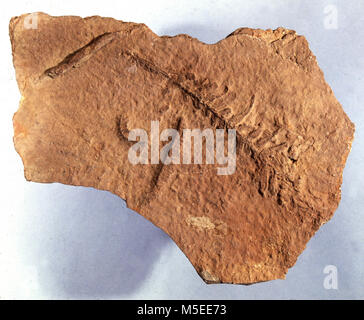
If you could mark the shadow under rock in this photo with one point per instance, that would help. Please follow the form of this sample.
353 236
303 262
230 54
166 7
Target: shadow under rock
87 244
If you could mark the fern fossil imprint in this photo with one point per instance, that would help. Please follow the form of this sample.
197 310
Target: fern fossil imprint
86 83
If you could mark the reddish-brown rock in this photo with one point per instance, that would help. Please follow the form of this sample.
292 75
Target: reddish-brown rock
85 83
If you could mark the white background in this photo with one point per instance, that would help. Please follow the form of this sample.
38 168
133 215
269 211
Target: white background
68 242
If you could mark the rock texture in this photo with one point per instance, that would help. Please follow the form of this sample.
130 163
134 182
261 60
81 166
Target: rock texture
86 82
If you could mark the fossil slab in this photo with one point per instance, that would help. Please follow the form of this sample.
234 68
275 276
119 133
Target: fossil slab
86 83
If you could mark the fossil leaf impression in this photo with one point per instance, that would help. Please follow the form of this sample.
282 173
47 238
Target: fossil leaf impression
86 84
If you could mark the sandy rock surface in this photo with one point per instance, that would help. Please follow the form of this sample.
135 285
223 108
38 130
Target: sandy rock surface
85 83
